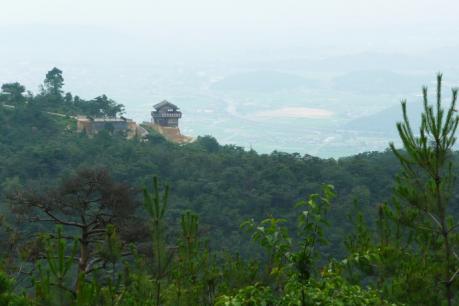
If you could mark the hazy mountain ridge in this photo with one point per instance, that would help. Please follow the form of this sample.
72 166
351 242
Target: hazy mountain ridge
263 81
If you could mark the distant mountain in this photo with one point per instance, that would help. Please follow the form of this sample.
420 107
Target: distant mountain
358 61
440 59
384 121
262 81
378 82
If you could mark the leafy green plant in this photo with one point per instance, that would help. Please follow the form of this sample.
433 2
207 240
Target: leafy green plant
311 223
253 295
275 240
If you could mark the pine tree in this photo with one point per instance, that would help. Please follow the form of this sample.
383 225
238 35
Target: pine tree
425 187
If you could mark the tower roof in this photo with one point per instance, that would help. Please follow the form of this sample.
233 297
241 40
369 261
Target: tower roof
165 103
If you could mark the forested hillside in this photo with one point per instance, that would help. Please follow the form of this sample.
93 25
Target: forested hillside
225 185
314 231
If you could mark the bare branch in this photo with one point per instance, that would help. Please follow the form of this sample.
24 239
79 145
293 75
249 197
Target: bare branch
57 220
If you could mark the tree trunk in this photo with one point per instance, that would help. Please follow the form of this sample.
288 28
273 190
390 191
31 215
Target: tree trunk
83 258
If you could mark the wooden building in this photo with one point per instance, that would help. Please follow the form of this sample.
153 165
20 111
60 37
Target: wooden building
166 114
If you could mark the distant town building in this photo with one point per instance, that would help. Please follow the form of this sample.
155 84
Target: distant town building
93 126
166 114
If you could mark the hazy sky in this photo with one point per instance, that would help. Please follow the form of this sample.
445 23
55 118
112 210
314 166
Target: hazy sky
252 13
363 24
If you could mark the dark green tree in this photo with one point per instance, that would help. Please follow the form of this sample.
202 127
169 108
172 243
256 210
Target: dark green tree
103 106
208 143
53 83
12 93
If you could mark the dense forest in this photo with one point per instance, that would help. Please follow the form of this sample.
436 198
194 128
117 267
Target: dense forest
104 220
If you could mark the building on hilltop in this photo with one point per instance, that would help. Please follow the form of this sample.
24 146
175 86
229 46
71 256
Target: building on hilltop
92 126
164 120
166 114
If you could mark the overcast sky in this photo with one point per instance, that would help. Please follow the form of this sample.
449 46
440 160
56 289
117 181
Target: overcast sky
398 25
252 13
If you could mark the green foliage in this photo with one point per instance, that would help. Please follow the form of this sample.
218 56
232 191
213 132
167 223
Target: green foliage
111 251
425 186
156 205
54 82
12 93
208 143
275 240
253 295
311 227
297 280
188 245
53 283
194 271
329 289
412 256
7 295
100 106
52 99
